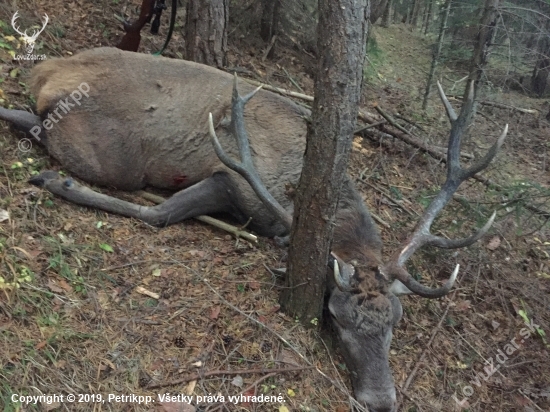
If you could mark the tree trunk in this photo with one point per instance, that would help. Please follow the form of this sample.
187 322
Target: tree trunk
270 19
206 31
483 43
377 8
429 16
437 51
410 11
539 79
416 12
341 40
386 17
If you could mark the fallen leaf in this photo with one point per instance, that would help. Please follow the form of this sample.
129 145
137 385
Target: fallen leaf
106 247
215 312
40 345
237 381
190 388
248 393
493 243
283 408
4 215
463 305
254 285
177 407
291 393
54 287
66 287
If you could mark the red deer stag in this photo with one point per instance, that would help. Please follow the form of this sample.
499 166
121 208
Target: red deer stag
144 122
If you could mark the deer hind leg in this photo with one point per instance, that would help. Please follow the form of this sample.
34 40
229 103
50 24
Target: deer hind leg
211 195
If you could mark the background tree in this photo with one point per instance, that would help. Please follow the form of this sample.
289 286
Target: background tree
341 36
482 46
270 19
377 8
386 16
206 31
437 50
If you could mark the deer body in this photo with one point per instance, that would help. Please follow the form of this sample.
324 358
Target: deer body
145 124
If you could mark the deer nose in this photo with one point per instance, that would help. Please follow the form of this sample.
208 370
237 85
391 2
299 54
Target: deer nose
383 409
383 402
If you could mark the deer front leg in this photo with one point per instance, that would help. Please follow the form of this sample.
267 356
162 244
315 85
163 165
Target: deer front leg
212 195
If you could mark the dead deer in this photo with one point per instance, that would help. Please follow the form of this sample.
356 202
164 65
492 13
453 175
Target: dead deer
153 121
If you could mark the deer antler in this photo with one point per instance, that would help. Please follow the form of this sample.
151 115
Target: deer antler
421 236
343 272
246 167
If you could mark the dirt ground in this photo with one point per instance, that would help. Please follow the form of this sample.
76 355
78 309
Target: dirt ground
97 304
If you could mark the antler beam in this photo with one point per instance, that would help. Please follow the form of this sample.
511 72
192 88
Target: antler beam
421 236
246 166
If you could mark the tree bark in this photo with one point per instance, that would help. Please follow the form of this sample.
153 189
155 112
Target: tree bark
341 40
539 78
483 43
270 19
206 31
416 12
377 8
437 51
429 16
386 17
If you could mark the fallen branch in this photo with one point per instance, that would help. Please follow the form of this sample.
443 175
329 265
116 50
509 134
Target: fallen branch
238 233
280 91
271 44
409 121
508 107
534 112
369 126
390 119
412 139
201 375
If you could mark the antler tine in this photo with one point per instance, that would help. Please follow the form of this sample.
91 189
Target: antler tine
245 167
443 243
421 235
489 156
448 107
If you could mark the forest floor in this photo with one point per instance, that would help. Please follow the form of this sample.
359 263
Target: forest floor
73 320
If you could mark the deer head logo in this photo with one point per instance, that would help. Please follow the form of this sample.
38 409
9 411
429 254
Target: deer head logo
29 40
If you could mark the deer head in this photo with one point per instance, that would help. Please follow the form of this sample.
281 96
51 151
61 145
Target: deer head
363 289
29 40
